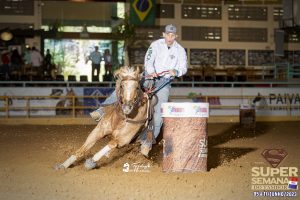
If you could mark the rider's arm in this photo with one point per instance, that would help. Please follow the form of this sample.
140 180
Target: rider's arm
181 66
149 59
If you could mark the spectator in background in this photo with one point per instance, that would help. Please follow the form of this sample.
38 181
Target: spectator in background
48 62
108 66
27 60
27 56
5 64
16 63
36 60
108 61
96 58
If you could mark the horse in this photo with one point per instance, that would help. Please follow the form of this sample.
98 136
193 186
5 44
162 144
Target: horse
122 120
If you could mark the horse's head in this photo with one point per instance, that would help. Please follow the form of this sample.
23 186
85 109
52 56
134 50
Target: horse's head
128 87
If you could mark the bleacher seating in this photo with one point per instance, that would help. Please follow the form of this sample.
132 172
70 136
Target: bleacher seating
83 78
72 78
60 78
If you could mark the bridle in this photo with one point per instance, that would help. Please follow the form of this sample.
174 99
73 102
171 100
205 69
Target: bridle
148 95
136 101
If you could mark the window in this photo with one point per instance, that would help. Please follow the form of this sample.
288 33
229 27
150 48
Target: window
232 57
248 34
292 57
17 7
293 37
16 26
247 13
201 12
150 33
277 13
203 33
172 1
203 56
165 11
260 57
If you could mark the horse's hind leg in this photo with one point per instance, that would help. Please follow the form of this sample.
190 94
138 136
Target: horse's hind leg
91 162
93 137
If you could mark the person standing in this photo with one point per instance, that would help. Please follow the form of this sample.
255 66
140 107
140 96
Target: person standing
36 61
16 60
108 62
5 64
48 62
96 58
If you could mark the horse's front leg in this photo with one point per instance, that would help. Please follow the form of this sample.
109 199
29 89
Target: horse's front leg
91 162
93 137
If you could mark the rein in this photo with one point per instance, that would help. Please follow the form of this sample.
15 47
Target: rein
149 94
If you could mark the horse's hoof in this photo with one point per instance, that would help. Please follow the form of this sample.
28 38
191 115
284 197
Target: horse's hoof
145 150
58 167
90 164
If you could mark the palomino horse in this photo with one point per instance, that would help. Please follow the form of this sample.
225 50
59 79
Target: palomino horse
122 120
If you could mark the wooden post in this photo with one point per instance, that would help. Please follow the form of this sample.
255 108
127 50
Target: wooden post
7 106
73 106
28 106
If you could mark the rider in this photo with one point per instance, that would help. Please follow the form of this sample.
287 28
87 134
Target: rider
163 55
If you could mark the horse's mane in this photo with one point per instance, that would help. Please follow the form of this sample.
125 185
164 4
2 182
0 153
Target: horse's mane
125 72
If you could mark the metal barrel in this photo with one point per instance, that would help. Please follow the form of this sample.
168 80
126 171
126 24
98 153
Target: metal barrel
185 137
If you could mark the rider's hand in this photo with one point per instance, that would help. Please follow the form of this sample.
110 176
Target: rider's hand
173 72
154 75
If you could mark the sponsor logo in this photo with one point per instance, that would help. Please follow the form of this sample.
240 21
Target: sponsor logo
173 109
199 109
274 156
203 148
274 181
136 167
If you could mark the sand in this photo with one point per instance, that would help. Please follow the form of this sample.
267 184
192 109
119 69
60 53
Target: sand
28 154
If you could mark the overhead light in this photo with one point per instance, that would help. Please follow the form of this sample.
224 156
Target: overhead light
6 36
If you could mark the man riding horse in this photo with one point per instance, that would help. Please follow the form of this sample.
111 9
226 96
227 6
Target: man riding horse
164 55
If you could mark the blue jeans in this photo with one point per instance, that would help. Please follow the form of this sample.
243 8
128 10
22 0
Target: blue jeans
162 97
112 98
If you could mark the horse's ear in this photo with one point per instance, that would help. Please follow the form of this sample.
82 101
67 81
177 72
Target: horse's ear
137 72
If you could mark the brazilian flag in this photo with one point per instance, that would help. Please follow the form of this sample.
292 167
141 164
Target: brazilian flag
142 12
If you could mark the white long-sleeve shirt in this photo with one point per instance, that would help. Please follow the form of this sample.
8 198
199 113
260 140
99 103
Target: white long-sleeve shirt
161 58
36 58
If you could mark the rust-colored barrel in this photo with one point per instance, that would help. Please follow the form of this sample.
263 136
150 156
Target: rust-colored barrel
185 137
247 117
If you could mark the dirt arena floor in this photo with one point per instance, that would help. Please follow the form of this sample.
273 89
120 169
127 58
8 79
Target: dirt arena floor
28 154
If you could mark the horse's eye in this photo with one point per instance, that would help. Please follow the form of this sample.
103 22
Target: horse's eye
121 86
